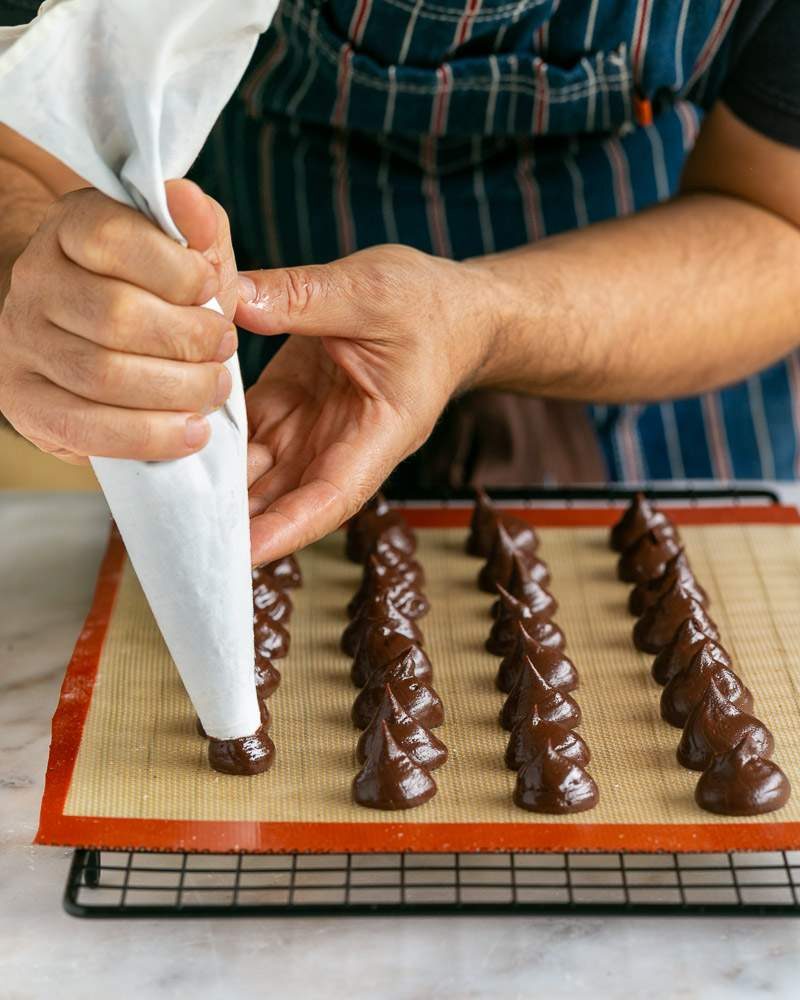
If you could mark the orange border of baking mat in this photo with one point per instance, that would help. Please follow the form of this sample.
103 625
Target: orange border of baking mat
174 835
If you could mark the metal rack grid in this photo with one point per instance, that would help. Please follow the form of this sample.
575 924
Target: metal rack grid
143 884
151 884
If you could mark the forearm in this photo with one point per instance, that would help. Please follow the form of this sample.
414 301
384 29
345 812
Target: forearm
680 299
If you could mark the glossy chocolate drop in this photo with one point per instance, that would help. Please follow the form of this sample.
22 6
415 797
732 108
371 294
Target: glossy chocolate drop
740 782
399 562
532 732
389 778
419 743
248 755
380 647
529 591
271 638
645 595
532 689
500 566
283 574
379 578
553 784
268 677
503 635
639 517
686 689
484 522
658 625
378 610
647 558
556 668
677 654
716 725
377 519
416 697
269 602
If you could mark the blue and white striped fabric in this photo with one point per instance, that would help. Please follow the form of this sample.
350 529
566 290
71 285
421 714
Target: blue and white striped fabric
464 127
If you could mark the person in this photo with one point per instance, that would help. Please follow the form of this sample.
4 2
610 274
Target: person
588 204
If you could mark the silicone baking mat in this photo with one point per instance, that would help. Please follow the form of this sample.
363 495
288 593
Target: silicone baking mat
127 769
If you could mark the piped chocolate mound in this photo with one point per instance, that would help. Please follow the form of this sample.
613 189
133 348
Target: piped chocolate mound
551 783
645 595
556 668
687 688
483 524
389 778
503 635
402 563
378 611
679 651
740 782
248 755
534 595
378 578
419 743
416 697
716 725
379 647
658 625
271 602
507 560
271 638
268 677
282 574
531 689
647 558
377 519
639 517
532 732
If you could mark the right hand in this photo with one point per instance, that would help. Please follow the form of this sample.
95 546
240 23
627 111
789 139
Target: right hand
104 347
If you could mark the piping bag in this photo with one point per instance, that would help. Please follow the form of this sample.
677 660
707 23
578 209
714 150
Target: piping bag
125 93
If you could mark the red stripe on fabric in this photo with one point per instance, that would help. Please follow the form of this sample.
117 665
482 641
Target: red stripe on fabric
716 437
437 220
340 108
531 204
258 77
358 22
640 25
621 177
464 26
542 95
713 41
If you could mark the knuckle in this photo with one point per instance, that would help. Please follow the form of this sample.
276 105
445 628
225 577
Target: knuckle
301 288
120 310
65 428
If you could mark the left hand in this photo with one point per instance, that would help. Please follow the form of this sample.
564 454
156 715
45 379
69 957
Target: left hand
380 342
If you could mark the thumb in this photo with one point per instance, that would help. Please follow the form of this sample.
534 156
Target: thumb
193 213
320 300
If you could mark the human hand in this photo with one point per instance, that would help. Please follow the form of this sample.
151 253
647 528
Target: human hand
104 347
381 341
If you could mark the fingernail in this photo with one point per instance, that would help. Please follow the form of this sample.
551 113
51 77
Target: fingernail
227 346
196 431
224 384
247 289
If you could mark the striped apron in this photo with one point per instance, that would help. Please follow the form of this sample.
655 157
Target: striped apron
464 127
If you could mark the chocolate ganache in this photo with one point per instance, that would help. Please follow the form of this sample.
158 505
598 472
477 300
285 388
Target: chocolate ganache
270 602
503 635
678 653
499 567
716 725
379 578
416 697
402 563
282 574
389 778
639 517
247 755
380 647
686 689
484 522
377 519
414 739
271 638
268 677
740 782
378 610
553 784
645 595
556 668
531 732
658 625
647 558
532 689
533 594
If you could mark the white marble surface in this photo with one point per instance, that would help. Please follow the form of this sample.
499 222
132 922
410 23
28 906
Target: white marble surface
49 550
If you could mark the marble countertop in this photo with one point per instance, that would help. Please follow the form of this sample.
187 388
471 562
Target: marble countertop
50 546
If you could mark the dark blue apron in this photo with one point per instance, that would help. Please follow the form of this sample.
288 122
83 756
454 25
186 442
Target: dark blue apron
464 127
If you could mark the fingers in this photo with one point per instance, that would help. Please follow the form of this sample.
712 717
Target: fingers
123 317
110 239
127 380
193 213
64 424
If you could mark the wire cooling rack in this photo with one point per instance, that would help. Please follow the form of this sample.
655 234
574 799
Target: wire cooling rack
142 884
150 884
